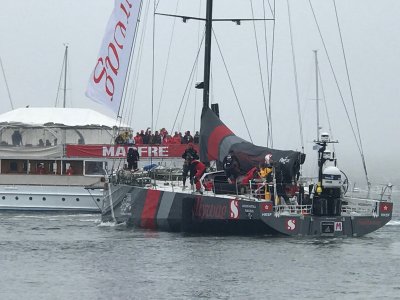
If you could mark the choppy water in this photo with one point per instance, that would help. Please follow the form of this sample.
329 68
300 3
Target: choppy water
49 256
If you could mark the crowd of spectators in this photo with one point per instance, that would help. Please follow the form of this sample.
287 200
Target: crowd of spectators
161 137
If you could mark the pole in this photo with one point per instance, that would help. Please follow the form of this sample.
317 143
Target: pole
207 55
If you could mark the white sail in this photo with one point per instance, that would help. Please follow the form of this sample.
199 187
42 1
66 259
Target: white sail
106 83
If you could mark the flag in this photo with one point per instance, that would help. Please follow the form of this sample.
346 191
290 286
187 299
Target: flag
106 83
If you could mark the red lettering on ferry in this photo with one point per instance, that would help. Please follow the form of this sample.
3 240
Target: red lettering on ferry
110 151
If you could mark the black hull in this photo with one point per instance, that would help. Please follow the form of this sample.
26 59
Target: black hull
181 212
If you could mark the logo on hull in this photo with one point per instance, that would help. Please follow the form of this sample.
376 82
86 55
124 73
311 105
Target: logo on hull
338 226
234 207
291 224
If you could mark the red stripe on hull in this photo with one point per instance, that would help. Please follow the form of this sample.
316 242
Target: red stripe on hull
148 217
214 140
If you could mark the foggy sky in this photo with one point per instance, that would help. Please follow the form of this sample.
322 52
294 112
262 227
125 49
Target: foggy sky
33 33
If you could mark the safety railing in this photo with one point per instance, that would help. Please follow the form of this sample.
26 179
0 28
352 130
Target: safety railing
292 210
358 206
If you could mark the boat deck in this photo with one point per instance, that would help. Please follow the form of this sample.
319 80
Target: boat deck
56 180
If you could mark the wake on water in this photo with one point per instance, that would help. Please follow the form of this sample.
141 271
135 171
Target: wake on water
393 223
109 224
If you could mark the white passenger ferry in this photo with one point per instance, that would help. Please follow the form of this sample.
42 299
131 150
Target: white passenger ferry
38 170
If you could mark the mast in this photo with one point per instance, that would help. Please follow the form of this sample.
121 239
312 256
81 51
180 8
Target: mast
65 74
316 91
5 80
207 55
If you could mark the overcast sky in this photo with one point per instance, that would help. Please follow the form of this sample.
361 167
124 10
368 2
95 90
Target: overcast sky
33 33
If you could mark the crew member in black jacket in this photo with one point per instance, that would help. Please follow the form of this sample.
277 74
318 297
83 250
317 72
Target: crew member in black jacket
189 155
132 159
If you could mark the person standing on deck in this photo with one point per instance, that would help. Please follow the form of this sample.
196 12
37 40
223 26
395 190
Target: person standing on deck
199 169
266 174
231 166
189 155
132 159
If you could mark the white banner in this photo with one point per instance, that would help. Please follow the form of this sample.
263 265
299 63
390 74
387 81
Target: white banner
106 82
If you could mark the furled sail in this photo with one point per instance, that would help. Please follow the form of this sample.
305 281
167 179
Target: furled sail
216 140
107 81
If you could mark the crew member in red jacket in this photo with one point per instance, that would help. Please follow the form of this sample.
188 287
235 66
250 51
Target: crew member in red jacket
199 169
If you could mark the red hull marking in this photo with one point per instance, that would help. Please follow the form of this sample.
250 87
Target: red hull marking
386 207
214 140
148 217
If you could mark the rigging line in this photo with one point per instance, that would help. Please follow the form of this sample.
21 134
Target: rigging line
295 77
326 108
267 61
259 66
270 7
190 83
158 2
187 99
139 63
5 80
187 84
59 83
270 133
167 63
336 80
197 73
266 45
69 78
212 86
233 88
125 87
152 73
350 87
128 70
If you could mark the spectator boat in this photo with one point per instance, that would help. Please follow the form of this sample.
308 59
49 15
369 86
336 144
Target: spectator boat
242 208
41 168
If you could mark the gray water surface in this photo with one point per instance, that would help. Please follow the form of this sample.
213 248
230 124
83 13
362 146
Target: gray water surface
60 256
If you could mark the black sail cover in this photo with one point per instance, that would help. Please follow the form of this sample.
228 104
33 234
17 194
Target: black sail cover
216 140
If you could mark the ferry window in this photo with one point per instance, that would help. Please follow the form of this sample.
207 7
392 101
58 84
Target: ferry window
76 168
93 168
13 166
